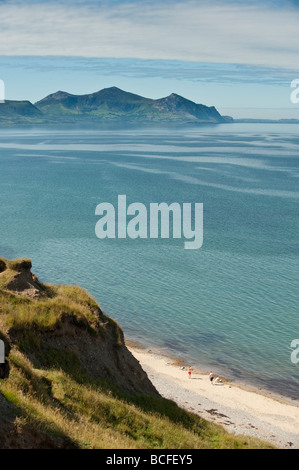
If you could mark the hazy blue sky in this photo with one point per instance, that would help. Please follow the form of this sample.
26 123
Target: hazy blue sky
231 54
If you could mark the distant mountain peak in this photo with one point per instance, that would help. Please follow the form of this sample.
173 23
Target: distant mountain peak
61 94
187 109
175 98
114 88
175 95
117 93
57 96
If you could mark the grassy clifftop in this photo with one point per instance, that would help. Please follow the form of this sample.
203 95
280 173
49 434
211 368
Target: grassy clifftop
70 382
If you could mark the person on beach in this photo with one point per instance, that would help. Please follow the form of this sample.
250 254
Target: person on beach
218 381
215 381
189 372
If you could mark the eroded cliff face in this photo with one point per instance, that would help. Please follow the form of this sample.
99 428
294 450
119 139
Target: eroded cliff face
63 327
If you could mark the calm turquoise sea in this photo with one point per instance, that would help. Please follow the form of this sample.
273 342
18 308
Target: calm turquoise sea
231 306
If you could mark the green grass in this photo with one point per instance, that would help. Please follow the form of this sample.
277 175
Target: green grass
52 393
18 264
88 416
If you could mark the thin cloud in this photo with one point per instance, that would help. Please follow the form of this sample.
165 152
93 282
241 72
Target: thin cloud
252 34
197 72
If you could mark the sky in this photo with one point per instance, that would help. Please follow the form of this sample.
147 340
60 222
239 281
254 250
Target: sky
238 56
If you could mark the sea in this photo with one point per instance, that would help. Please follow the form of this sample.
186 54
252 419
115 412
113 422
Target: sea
230 306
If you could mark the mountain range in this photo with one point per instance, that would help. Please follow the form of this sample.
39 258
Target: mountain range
110 105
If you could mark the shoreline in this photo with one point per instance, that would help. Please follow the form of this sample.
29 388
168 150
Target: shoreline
205 369
239 408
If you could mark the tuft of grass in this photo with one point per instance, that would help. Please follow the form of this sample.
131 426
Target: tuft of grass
18 264
46 313
6 277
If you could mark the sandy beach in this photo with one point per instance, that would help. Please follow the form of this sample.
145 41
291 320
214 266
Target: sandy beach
239 409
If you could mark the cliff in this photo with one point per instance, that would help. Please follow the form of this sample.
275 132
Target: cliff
48 322
69 381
